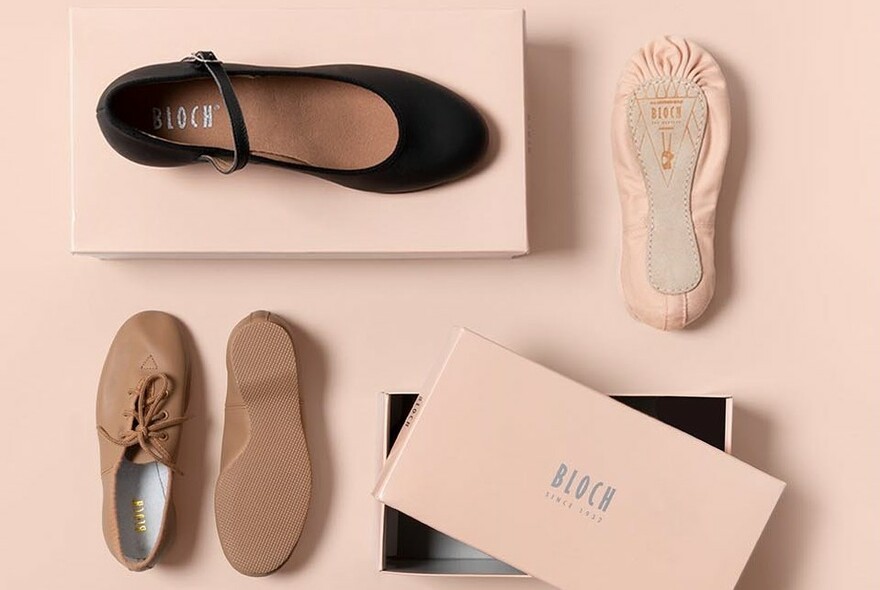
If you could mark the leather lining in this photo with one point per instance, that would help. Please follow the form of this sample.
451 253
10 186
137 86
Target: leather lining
140 506
312 121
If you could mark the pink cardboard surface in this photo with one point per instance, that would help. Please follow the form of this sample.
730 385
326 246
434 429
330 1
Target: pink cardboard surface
121 209
569 485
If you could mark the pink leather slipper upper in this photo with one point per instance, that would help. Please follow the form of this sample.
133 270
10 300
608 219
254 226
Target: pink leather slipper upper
670 136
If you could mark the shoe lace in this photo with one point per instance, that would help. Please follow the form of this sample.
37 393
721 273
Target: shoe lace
149 421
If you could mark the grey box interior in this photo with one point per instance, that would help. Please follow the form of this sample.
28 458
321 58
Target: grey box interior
410 546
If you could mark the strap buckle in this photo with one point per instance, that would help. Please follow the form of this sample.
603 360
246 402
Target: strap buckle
241 145
203 57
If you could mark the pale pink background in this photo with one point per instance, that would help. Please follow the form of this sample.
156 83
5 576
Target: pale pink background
127 210
794 333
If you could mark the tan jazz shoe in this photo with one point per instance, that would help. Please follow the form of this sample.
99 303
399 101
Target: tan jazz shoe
142 397
265 484
671 130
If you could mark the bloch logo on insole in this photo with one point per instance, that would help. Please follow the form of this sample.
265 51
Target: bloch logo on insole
183 117
666 115
666 156
573 490
666 112
140 517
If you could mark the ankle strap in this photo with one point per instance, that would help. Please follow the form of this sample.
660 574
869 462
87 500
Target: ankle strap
241 144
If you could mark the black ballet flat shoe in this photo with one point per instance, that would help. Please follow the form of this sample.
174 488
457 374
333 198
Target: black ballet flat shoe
368 128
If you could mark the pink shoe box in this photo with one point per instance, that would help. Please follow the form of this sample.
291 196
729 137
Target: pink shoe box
557 481
408 546
124 210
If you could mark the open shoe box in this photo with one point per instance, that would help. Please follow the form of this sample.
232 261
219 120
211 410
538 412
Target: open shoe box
564 483
124 210
407 546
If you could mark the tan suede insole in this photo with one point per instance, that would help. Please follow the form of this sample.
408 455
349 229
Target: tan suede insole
312 121
667 119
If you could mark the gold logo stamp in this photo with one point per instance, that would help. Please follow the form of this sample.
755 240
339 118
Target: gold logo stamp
140 517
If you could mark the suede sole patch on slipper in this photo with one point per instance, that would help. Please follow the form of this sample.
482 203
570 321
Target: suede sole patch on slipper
667 119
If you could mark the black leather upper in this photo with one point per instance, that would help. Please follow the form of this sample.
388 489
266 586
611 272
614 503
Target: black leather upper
241 143
441 136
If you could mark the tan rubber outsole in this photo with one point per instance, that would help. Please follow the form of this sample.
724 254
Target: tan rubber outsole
262 497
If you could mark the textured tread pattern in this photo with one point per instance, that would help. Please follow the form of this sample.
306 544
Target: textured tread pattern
262 498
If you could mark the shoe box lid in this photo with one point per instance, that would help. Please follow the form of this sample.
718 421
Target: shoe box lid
410 547
124 210
569 485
